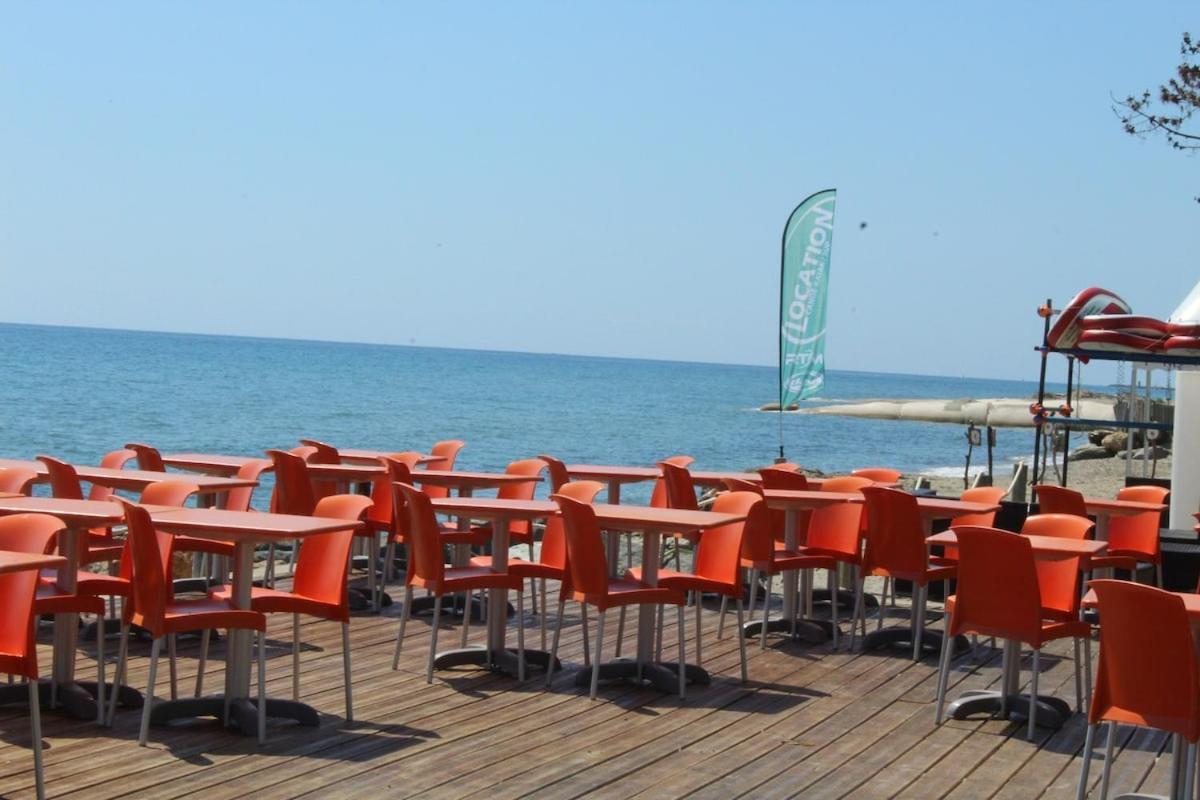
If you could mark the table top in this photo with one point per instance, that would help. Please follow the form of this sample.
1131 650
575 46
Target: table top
73 513
1191 602
347 473
492 507
213 463
216 523
947 508
631 474
17 562
355 455
1047 545
473 480
1107 506
135 479
646 518
807 498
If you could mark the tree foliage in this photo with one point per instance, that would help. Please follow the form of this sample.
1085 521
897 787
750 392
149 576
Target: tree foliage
1170 110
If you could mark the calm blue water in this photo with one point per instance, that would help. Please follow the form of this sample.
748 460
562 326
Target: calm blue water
77 393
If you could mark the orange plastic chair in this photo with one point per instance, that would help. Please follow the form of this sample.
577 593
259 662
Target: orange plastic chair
155 609
1133 540
115 459
38 533
716 568
681 494
1060 500
235 500
148 458
895 548
448 450
1059 578
778 477
878 474
999 595
1147 674
427 569
318 588
293 488
559 476
17 481
591 584
99 545
980 494
314 451
18 653
520 531
552 561
741 485
387 514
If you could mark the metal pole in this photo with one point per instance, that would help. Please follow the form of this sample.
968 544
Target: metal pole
1047 311
1067 424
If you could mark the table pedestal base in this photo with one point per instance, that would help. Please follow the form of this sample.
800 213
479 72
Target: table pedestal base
422 606
901 639
662 675
76 700
242 713
845 599
813 631
504 661
1051 711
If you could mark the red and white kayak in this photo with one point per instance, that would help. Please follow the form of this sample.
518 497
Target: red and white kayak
1090 302
1182 346
1188 329
1128 323
1118 342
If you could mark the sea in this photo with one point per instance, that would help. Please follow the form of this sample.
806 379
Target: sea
76 393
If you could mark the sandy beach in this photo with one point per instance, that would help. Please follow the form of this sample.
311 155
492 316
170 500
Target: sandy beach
1098 477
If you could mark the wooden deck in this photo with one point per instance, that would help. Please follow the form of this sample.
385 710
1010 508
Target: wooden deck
811 723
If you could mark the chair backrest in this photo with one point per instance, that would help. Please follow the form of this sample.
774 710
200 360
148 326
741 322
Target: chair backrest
448 450
837 528
997 592
18 630
322 568
1138 532
1059 577
1059 500
30 533
148 457
895 541
64 481
1147 673
531 467
294 490
681 491
719 551
150 590
554 540
559 477
383 497
239 499
658 495
776 478
980 494
586 562
760 527
114 459
17 480
878 474
168 493
847 483
426 559
742 485
323 453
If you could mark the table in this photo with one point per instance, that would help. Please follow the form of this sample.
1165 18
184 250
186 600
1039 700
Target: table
500 513
613 476
77 698
652 523
209 463
11 561
792 503
134 480
1052 711
357 456
245 529
930 508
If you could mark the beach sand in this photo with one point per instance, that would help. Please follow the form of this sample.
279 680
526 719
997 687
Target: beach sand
1101 477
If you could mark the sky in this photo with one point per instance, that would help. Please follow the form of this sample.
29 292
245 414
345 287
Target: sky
600 178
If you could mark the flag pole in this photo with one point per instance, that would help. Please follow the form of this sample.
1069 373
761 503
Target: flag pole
779 330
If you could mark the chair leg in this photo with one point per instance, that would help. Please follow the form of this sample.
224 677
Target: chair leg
1078 676
100 669
269 570
587 651
1108 757
262 687
1033 690
408 598
1088 740
721 616
659 639
832 586
682 655
766 616
148 703
918 619
171 664
741 639
943 675
346 671
620 631
466 624
521 635
1189 770
1087 672
545 611
205 635
1158 578
437 618
599 650
753 592
295 656
119 672
699 622
35 733
562 607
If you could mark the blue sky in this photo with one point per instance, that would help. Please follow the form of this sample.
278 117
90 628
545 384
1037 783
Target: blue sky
603 178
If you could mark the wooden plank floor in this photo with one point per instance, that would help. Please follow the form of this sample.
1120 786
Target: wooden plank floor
810 723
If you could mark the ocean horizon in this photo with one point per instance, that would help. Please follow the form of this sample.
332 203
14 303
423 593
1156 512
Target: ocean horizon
78 392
